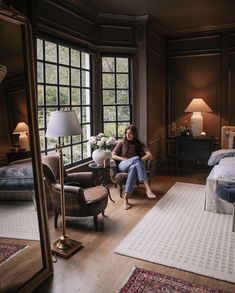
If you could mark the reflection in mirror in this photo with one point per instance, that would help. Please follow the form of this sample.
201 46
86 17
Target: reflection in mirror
22 246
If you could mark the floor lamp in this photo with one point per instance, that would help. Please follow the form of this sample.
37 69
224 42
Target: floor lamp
61 124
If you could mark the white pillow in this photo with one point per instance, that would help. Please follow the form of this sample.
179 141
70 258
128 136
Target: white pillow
216 156
225 172
227 161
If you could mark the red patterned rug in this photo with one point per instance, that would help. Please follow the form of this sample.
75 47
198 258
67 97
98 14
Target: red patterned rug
8 250
143 281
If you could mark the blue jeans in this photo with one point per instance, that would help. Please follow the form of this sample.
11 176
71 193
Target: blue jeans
136 171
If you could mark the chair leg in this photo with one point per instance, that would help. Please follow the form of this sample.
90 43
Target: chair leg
55 219
121 191
96 223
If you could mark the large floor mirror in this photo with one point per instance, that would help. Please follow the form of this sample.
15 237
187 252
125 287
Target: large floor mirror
25 258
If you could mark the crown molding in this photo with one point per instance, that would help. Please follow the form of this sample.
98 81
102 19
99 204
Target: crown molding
203 29
121 17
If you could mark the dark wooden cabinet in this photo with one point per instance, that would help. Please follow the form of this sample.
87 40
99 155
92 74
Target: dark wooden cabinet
193 149
15 156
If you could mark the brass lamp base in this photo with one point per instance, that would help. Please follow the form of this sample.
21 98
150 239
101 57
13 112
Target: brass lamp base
65 247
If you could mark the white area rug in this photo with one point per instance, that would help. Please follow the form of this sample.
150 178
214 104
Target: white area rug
19 221
177 232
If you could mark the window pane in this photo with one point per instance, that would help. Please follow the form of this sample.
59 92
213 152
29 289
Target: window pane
64 95
86 97
51 73
86 150
110 129
67 155
51 95
108 64
75 58
63 55
121 128
122 97
85 78
122 81
77 152
51 142
85 114
64 75
40 95
39 71
67 140
109 113
48 112
76 138
75 92
85 60
108 80
40 118
42 139
123 113
78 113
86 132
39 49
50 52
122 65
108 97
75 77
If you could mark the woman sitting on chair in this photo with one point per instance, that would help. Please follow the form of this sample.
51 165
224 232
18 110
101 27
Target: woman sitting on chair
132 153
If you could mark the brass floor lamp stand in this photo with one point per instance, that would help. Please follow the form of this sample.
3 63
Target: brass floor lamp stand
64 246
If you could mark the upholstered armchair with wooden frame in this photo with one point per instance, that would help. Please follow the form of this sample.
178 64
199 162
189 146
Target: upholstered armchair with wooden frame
82 198
119 178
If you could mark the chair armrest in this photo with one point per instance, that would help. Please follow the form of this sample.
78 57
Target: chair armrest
85 179
74 197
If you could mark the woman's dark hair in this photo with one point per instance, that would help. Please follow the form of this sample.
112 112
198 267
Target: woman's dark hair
134 130
136 140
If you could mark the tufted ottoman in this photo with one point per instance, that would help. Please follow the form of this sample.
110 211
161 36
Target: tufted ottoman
226 191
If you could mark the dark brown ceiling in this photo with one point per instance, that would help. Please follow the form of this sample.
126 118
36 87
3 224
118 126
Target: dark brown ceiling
173 15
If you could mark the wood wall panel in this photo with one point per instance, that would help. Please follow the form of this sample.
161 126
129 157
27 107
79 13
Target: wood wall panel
232 41
232 90
156 96
195 76
194 44
121 35
68 23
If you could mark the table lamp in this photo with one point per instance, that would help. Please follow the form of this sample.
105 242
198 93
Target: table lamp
22 129
61 124
197 106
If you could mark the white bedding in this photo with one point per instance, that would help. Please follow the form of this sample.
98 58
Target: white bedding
223 171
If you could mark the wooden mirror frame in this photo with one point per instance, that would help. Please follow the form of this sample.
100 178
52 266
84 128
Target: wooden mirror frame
9 14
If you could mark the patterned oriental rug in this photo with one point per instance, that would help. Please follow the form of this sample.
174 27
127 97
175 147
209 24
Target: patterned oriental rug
8 250
178 232
143 281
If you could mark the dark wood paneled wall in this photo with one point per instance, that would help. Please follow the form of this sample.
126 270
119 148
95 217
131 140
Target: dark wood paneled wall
202 66
156 95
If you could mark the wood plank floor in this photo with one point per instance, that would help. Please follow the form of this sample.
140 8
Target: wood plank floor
95 268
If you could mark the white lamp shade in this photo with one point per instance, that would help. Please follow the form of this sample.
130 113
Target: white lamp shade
198 105
63 123
21 127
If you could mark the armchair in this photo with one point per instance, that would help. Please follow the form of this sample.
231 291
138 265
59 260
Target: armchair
119 178
82 198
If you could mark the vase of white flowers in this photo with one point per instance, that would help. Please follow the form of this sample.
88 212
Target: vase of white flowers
102 146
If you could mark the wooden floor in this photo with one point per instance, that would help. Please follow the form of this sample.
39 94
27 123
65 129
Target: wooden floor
96 268
13 273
